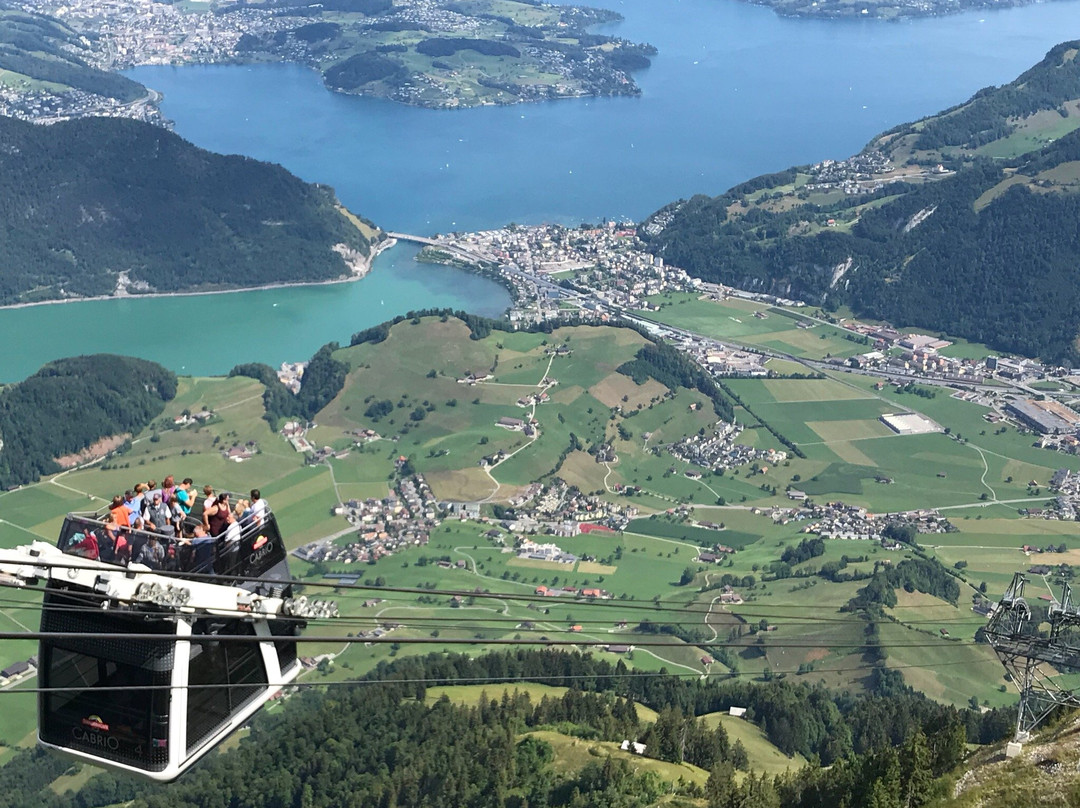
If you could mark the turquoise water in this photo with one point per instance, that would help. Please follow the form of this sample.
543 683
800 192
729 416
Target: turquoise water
209 334
736 91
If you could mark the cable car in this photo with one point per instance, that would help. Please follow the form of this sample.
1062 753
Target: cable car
150 706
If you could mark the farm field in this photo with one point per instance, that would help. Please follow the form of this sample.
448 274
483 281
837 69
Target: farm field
849 451
706 537
833 420
734 319
951 671
473 694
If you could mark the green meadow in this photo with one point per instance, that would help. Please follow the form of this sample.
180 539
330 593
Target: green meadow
977 473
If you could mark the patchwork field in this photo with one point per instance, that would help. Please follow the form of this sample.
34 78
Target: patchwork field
790 390
734 319
979 475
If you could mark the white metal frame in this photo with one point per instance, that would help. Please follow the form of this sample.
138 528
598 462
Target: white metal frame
188 601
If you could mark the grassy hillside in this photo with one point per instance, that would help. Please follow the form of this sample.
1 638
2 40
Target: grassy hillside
958 222
418 367
650 568
1044 774
92 206
764 756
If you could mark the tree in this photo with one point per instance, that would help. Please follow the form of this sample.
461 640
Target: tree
720 789
918 771
740 758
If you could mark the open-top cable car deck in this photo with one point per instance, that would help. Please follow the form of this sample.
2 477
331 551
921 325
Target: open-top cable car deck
154 706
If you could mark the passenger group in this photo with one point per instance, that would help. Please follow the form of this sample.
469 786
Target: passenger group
152 525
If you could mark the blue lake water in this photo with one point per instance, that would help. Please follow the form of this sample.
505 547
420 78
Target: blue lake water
736 91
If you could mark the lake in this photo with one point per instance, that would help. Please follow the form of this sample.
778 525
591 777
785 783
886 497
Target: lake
736 91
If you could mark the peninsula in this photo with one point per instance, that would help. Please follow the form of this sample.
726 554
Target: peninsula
105 206
430 53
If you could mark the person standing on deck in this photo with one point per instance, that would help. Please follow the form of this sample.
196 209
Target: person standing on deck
185 496
259 506
229 549
215 515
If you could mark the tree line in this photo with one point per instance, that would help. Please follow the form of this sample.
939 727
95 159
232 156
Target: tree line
673 369
380 743
323 378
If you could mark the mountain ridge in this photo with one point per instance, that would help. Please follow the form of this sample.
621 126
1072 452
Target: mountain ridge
956 222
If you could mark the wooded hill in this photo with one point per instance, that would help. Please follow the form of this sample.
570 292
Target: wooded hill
71 403
85 200
964 222
43 51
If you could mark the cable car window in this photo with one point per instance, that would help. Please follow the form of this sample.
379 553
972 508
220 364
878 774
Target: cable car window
128 725
223 677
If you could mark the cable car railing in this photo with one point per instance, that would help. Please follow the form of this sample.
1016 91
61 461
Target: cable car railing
254 554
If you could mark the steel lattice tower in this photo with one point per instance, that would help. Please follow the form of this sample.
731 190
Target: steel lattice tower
1034 659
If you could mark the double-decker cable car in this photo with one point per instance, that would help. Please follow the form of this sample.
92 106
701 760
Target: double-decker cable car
212 638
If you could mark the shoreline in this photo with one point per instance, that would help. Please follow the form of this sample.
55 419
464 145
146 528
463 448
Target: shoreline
359 274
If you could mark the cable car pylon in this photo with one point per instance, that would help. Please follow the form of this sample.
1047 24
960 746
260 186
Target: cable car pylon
1033 657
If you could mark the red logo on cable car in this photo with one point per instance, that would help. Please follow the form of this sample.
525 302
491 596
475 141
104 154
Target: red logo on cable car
95 722
259 542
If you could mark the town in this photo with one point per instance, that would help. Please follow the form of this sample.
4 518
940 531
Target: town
47 106
404 518
720 451
564 274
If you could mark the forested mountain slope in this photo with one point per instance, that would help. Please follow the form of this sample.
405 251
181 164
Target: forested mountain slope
71 403
90 205
964 222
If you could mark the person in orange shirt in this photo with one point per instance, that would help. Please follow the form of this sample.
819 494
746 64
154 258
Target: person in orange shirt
119 512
